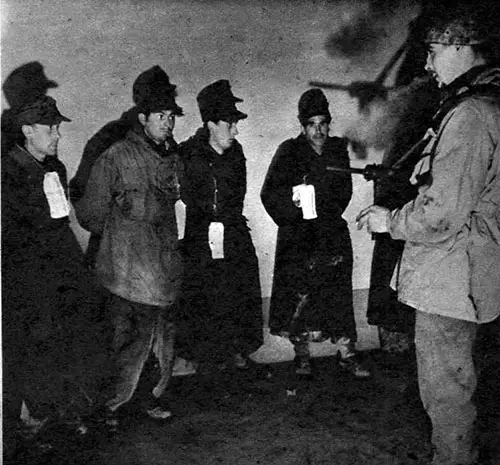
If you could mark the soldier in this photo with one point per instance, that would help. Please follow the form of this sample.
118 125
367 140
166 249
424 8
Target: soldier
452 228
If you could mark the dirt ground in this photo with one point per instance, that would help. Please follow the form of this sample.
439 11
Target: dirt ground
266 416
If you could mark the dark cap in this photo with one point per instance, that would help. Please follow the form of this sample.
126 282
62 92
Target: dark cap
43 110
313 103
152 91
217 102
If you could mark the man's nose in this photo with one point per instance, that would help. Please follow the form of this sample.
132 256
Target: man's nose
428 65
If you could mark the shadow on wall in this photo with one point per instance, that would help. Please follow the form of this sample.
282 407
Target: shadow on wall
110 133
25 84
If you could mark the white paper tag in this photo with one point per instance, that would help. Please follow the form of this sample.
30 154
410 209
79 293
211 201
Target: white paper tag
54 192
307 196
180 217
216 239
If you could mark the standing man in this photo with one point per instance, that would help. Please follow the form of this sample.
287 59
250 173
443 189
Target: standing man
46 290
312 287
129 201
222 287
452 229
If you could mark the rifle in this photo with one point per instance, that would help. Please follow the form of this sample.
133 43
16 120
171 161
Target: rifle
374 171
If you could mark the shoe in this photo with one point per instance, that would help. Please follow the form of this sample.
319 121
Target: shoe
316 336
240 362
158 413
110 419
354 367
31 426
184 367
155 409
349 360
303 366
75 423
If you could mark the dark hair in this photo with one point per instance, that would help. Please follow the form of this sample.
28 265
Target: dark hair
145 111
489 51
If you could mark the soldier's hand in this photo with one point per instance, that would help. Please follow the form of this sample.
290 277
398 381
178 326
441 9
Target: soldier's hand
375 218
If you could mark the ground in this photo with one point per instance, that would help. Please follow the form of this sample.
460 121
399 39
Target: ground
266 416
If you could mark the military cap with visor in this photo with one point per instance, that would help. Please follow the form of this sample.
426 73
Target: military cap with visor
42 110
217 102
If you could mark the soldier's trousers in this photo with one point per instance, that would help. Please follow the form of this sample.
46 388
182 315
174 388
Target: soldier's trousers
447 382
139 330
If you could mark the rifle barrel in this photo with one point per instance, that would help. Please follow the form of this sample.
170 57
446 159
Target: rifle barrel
414 148
346 170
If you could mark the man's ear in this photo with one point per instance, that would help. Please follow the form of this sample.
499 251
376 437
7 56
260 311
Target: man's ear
142 118
27 130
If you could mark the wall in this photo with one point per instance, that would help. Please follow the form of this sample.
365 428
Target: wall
269 50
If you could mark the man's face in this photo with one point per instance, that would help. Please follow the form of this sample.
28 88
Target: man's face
316 131
42 139
222 134
158 126
445 62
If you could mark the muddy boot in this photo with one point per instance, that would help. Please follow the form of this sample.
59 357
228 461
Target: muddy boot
240 362
349 359
302 356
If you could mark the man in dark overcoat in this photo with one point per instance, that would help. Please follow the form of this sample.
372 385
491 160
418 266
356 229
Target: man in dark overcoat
312 287
223 315
49 300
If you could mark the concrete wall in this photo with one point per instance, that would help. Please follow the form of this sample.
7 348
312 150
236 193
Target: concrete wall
268 49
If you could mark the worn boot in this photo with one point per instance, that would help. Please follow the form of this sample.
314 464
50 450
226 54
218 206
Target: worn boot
349 359
302 356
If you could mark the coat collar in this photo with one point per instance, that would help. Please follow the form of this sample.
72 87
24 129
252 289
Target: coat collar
137 136
480 80
477 76
28 162
199 146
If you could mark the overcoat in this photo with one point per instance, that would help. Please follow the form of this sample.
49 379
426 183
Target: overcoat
315 255
223 295
52 328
